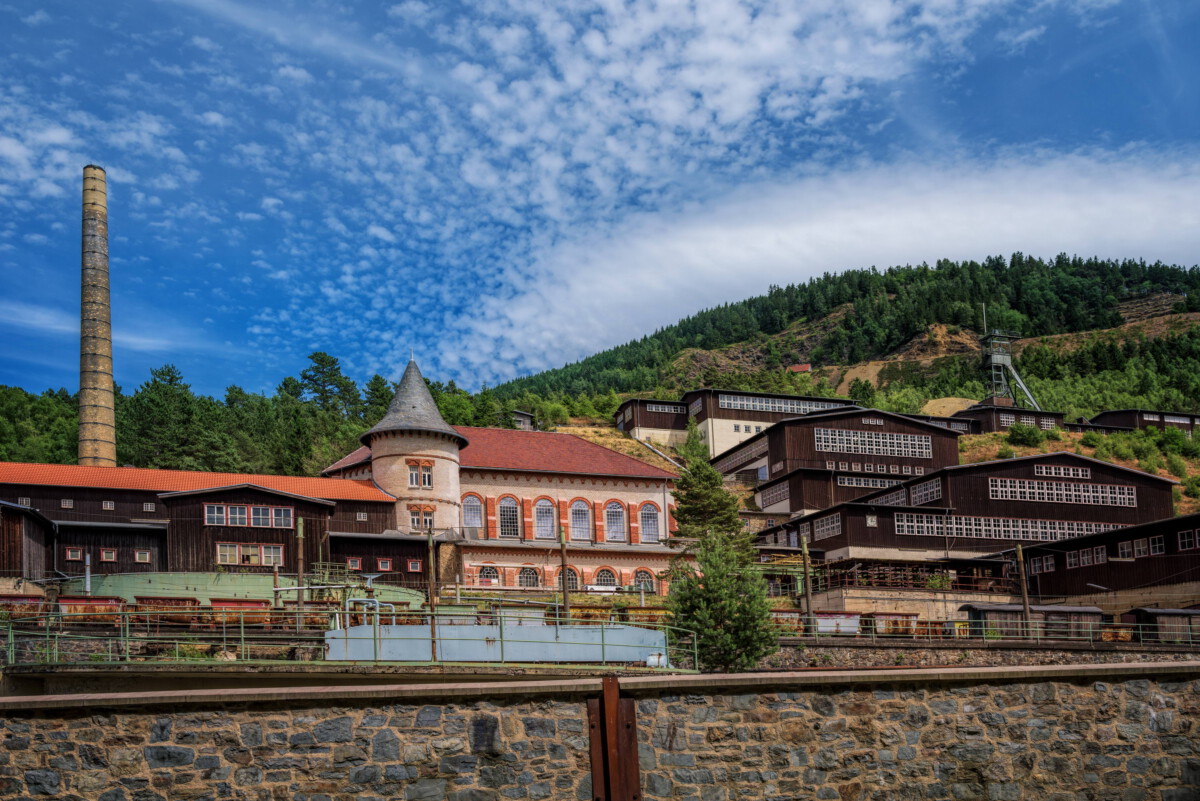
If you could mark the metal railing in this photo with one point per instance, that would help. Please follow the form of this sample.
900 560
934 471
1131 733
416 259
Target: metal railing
794 624
340 635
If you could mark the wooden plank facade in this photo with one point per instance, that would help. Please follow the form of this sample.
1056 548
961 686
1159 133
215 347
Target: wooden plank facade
1142 418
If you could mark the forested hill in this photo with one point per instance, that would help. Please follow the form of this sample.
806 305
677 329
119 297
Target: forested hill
884 311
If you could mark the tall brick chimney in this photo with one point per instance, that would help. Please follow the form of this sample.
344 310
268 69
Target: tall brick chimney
97 418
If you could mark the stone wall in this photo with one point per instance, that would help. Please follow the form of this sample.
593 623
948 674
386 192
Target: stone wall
827 653
1125 733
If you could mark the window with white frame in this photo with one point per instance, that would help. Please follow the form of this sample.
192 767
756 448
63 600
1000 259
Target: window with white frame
695 407
644 580
544 524
1085 557
1099 555
737 429
24 502
776 493
664 408
605 578
281 517
147 507
528 577
219 514
787 405
361 517
214 514
649 523
1046 423
1141 548
107 506
872 421
1062 471
572 579
581 521
843 465
509 512
918 470
383 565
876 443
1022 489
489 575
260 516
253 554
420 519
866 481
994 528
108 554
741 456
827 527
354 563
1125 550
1028 420
614 522
1041 564
926 491
74 554
906 469
896 498
1007 420
1150 417
66 503
1072 559
472 512
831 465
141 556
1187 540
1177 420
1158 545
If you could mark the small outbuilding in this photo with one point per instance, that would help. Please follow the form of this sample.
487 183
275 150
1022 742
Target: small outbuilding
1167 625
997 621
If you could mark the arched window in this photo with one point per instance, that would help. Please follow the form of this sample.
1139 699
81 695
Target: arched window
581 521
472 512
489 575
649 523
543 520
614 522
528 577
645 580
572 579
510 518
606 578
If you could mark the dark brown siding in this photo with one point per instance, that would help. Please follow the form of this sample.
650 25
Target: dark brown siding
92 540
371 550
36 548
87 503
1173 566
192 545
380 517
711 406
12 536
796 447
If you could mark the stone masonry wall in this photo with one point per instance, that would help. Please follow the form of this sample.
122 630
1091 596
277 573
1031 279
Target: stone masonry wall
821 654
1064 734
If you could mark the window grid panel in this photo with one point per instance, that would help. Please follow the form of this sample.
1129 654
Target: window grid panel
543 520
875 443
897 498
581 521
1061 471
614 522
827 527
1021 489
742 456
1187 540
926 491
1158 545
472 511
659 407
649 524
605 578
787 405
776 494
994 528
863 481
510 518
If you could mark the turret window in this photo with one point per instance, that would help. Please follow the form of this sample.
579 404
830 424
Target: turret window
420 474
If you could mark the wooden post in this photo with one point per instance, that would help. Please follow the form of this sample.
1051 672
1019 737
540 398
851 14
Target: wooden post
300 567
562 574
432 578
1028 627
810 620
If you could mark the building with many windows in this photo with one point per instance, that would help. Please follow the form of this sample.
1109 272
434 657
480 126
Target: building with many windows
813 462
724 417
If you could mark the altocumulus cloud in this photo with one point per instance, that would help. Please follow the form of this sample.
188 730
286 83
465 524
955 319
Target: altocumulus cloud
604 288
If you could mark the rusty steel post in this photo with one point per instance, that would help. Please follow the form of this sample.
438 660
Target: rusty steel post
97 417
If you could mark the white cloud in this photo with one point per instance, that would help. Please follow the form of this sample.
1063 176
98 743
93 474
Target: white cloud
295 74
595 291
39 17
379 232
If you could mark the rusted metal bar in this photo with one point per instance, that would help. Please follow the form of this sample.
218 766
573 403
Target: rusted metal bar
612 725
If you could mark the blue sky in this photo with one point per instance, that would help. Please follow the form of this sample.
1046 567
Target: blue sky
509 186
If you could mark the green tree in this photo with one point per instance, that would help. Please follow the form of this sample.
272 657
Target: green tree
862 392
328 388
725 604
377 397
693 449
703 505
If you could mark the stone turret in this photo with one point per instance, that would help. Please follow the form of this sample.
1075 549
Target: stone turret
414 456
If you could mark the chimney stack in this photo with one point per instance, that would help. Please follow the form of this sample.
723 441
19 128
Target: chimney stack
97 418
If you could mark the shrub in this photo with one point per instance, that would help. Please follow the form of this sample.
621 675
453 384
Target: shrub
1028 436
1122 451
1176 466
1191 487
1005 452
1092 439
1053 435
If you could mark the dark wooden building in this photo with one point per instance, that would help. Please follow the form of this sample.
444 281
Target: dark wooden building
131 520
25 535
830 457
978 509
986 418
1141 418
1159 554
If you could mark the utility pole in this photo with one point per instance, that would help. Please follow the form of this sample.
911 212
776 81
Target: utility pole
1024 590
300 564
810 621
431 575
562 573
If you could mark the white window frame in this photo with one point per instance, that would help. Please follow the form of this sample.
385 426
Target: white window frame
616 528
361 517
148 506
649 517
472 512
1158 545
66 503
108 506
383 564
105 551
141 556
602 580
580 517
508 518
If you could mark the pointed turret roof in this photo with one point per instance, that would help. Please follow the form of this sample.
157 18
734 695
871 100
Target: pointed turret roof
413 409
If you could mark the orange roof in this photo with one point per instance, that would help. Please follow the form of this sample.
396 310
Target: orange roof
541 451
150 480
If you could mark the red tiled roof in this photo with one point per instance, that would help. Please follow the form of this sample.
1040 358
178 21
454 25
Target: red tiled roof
543 451
149 480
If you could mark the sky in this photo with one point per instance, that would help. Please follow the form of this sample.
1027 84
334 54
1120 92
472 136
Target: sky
511 185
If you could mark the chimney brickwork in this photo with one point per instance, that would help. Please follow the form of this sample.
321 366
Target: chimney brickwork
97 418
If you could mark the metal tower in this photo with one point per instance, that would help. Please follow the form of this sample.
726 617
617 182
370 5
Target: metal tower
998 364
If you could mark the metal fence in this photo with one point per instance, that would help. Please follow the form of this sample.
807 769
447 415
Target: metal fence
358 635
